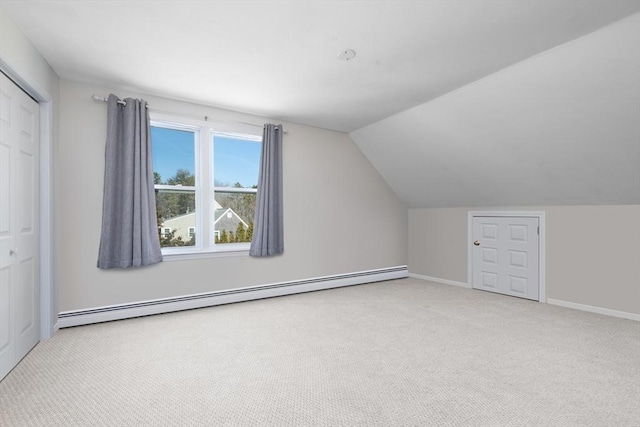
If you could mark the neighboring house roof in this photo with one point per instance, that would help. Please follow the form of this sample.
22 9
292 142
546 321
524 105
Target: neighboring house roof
177 217
226 218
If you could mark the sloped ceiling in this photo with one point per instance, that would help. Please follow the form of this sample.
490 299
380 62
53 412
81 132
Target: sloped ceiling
560 128
278 58
456 103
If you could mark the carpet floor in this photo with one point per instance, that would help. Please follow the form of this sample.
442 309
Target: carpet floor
398 353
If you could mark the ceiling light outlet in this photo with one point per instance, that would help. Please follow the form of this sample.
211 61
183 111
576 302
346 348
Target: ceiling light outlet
347 55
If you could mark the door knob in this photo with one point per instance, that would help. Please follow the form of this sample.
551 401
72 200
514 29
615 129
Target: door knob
477 243
13 251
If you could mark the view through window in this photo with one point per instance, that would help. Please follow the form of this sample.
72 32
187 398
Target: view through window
205 183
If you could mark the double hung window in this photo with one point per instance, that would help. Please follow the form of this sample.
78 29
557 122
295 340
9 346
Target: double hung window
205 178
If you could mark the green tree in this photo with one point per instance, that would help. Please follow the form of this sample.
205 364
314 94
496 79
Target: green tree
223 237
169 240
182 177
249 234
241 234
170 203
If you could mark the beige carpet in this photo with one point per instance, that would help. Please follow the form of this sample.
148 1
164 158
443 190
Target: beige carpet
397 353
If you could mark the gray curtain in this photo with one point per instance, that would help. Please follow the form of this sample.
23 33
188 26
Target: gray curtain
268 231
129 224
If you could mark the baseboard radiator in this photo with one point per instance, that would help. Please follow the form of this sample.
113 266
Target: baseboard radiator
166 305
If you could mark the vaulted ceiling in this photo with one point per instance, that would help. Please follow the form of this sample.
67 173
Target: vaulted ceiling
561 128
279 58
456 103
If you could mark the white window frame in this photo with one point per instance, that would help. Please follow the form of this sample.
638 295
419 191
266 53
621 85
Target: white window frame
205 246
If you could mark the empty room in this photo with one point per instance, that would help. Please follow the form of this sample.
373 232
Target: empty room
320 213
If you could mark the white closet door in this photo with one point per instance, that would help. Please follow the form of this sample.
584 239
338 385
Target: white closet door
19 218
506 255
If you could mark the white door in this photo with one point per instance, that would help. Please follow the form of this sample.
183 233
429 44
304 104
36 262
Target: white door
19 218
505 255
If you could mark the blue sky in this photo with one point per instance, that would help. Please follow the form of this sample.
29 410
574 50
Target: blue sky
235 160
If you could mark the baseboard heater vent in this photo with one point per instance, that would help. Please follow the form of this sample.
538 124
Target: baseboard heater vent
166 305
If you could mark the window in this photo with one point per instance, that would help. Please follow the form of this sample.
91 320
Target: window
205 178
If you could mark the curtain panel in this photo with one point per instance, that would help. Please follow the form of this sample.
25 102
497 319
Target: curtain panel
268 232
129 235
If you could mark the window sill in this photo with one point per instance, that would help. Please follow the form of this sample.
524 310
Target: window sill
228 250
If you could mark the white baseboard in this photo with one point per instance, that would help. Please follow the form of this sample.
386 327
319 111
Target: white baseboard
438 280
593 309
566 304
166 305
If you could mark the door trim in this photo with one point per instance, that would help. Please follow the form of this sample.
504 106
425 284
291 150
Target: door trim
48 309
542 294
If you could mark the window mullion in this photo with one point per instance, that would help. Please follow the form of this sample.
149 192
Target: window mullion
206 192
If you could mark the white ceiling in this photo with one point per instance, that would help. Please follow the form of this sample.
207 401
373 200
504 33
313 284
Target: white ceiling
279 58
562 128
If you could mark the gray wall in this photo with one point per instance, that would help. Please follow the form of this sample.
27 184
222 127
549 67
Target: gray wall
17 52
332 193
592 251
340 215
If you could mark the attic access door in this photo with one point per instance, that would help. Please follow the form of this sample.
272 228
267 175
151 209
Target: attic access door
505 254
